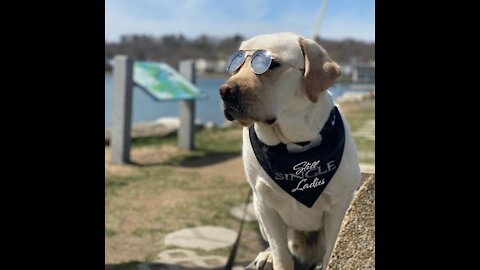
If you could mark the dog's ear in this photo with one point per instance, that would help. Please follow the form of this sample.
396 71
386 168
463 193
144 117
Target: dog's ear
320 71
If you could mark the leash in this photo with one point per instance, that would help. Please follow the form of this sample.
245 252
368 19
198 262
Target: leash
233 252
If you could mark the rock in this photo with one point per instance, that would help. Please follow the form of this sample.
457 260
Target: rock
350 97
184 258
355 245
175 255
169 122
205 238
209 125
160 127
237 212
147 129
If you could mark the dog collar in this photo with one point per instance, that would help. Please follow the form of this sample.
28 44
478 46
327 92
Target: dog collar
304 175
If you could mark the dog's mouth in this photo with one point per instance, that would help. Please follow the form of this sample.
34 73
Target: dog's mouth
235 111
232 111
270 121
228 115
236 115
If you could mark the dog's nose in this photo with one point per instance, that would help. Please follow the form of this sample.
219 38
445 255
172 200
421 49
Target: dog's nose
229 90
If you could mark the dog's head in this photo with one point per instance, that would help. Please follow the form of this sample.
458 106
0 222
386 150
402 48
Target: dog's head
249 97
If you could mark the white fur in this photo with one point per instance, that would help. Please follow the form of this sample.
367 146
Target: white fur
298 119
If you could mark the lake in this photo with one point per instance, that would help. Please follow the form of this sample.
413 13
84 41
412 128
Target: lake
146 109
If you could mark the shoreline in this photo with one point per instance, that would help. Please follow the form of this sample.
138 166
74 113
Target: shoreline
199 75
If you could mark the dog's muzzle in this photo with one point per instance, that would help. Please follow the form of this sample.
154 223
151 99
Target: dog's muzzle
230 94
233 109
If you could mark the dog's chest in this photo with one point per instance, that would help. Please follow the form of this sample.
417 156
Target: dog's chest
266 191
303 175
293 213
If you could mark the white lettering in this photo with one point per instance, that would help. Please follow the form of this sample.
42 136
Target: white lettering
331 165
304 166
316 182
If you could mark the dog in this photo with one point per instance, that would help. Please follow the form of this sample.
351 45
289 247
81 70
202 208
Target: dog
288 114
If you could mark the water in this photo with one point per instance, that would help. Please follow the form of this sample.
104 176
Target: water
146 109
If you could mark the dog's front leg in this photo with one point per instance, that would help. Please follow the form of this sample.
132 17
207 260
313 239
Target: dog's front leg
276 232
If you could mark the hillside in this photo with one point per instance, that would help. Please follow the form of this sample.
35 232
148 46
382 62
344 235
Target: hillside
173 48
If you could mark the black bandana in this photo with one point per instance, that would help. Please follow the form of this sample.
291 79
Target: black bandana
304 175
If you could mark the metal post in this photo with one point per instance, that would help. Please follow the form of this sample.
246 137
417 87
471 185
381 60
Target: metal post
122 109
186 131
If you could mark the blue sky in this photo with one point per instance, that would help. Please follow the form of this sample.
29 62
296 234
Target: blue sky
220 18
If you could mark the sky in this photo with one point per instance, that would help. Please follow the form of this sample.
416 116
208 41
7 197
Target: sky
220 18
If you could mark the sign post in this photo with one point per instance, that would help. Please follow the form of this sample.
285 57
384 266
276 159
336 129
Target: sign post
187 109
161 82
122 109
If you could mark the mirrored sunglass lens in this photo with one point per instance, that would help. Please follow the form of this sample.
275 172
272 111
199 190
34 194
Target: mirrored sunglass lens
261 61
235 61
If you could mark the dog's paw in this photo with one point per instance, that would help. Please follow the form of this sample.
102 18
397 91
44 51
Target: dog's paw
264 261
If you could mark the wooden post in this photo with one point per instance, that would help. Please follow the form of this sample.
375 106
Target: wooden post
122 109
186 139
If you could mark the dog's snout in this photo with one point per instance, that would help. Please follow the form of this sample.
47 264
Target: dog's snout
229 90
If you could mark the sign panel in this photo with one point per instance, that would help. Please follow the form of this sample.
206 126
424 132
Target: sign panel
163 82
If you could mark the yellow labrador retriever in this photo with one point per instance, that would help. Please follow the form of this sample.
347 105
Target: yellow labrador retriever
299 156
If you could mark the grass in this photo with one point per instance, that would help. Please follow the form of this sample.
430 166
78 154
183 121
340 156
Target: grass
146 141
146 204
208 141
357 117
213 141
216 141
109 232
179 191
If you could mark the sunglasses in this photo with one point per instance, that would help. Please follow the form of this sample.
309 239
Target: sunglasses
259 63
